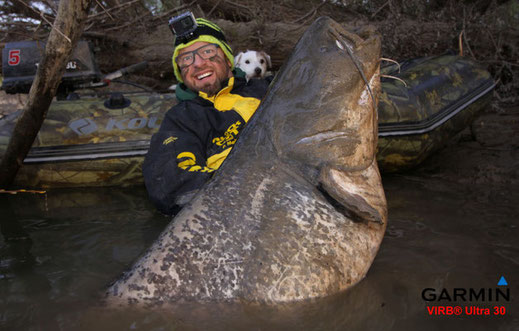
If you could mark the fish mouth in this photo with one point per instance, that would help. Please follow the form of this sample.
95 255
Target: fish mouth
344 38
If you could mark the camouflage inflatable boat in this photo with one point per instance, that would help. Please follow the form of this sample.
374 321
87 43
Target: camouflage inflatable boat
440 97
101 139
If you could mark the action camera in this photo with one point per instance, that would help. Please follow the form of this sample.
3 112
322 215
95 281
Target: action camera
183 25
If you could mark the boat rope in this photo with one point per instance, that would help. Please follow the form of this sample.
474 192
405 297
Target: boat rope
460 42
393 77
391 60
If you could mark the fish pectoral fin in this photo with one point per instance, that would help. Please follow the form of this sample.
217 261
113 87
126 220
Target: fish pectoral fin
353 206
356 194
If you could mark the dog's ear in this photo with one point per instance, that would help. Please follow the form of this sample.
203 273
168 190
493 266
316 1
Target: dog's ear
267 57
237 58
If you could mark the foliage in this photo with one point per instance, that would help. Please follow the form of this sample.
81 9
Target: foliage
484 30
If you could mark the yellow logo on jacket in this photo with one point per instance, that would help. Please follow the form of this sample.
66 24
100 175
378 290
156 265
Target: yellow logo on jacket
229 137
169 140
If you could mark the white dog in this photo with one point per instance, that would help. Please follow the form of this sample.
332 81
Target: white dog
254 64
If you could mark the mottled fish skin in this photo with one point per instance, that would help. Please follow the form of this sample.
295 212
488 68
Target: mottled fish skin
297 210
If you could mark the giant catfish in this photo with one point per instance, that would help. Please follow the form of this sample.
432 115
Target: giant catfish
297 210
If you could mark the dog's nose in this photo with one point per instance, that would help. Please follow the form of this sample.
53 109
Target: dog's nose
257 70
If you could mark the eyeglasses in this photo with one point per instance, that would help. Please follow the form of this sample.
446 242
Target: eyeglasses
188 58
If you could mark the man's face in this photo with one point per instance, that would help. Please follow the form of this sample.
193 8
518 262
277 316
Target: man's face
206 75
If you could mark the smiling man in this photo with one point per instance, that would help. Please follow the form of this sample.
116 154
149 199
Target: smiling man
197 134
201 75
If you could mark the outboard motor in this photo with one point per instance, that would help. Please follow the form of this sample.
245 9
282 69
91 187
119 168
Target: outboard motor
20 60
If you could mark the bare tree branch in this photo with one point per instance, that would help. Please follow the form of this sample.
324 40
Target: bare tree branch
63 37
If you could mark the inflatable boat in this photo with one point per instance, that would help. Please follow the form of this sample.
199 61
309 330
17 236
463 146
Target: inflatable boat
101 139
427 102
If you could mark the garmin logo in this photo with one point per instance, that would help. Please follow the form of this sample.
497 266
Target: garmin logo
84 126
466 295
499 293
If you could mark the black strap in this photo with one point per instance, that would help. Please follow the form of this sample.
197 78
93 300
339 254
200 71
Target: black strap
200 30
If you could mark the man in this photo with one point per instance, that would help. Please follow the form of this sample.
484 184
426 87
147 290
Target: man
197 134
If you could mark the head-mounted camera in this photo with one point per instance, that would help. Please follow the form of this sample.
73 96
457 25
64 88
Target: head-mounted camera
183 26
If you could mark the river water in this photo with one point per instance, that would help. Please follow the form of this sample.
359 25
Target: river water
59 250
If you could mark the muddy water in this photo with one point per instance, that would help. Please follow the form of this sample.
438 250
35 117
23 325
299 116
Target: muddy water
59 250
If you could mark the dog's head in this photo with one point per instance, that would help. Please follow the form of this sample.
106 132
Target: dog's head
253 63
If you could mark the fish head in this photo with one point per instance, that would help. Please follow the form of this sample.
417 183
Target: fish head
324 112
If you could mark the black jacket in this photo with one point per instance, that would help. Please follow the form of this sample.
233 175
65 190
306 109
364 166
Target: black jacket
194 139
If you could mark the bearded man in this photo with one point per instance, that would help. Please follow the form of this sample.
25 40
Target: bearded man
197 134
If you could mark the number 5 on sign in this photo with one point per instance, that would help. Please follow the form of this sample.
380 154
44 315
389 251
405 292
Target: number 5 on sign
14 57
